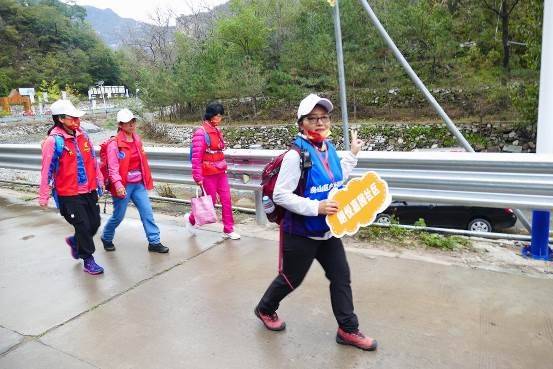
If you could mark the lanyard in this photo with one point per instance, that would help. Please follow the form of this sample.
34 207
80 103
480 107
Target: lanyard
324 160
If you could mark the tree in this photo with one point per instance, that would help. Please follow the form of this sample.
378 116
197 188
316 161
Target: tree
308 54
282 49
249 81
504 11
49 40
529 29
245 33
4 84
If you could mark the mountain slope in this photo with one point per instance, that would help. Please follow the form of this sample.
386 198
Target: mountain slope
112 28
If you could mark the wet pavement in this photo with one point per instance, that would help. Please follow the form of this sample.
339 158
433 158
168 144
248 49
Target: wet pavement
193 307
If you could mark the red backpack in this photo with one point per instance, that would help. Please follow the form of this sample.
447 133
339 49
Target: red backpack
104 160
270 175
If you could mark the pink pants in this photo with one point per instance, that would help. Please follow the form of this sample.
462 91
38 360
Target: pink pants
214 185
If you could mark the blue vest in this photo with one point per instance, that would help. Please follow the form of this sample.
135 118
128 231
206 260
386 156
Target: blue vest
324 174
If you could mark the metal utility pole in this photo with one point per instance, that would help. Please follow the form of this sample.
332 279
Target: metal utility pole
341 73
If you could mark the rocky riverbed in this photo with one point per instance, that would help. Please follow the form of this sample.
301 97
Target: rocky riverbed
378 136
384 136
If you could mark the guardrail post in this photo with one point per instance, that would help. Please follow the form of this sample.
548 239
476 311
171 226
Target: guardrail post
539 248
260 217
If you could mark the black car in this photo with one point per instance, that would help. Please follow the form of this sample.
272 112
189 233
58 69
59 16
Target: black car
472 218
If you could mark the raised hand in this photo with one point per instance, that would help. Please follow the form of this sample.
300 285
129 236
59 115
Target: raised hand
356 143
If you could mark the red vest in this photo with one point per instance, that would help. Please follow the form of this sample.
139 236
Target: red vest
214 151
213 161
66 175
125 157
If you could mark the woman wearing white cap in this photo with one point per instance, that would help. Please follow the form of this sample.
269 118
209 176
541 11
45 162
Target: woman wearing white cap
70 170
305 235
129 179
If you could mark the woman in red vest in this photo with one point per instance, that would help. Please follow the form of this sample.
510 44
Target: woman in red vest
129 180
209 167
70 171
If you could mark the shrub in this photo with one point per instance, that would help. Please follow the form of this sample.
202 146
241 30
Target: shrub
443 242
420 223
165 190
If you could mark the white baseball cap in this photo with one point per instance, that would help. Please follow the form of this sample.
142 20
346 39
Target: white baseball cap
124 116
65 107
307 104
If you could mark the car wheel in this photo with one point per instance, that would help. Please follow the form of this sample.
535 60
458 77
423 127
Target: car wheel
479 225
383 219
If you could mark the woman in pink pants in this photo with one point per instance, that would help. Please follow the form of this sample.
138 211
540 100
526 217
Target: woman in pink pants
209 167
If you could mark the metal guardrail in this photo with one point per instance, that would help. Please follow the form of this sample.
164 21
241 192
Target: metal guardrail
485 179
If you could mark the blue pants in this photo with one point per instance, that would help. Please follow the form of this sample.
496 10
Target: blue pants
139 196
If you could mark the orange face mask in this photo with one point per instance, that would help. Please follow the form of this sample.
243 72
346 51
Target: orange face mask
317 137
216 120
75 124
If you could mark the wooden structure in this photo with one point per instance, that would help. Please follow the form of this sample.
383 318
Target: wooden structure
15 98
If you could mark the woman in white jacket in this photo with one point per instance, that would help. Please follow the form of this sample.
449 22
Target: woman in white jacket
305 234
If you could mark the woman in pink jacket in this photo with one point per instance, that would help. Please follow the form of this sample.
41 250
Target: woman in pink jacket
209 167
71 174
130 179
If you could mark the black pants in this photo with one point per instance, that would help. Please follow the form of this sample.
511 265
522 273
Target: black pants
83 213
298 255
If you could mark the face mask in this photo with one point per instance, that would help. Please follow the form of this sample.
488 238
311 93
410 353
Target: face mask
215 121
317 137
74 125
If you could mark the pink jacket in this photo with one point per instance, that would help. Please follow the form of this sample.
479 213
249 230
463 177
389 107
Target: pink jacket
198 148
112 153
114 167
48 147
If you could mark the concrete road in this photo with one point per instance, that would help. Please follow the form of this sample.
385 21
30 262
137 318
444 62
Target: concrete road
193 308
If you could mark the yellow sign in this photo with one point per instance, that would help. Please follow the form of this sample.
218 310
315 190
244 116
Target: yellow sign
358 203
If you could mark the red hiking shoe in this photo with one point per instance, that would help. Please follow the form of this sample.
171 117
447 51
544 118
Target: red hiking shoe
271 321
356 339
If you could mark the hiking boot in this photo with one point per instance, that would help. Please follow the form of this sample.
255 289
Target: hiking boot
271 321
72 243
91 267
158 247
188 226
108 245
356 339
232 235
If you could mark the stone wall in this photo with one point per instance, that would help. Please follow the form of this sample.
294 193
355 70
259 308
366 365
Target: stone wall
378 137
